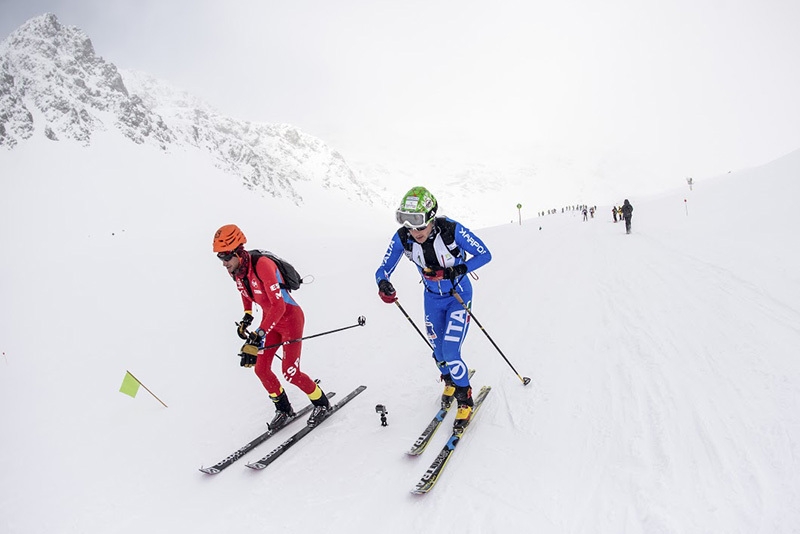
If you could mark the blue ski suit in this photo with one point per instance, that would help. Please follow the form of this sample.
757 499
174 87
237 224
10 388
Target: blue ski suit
446 320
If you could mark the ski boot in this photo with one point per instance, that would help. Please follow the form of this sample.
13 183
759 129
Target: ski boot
283 411
321 408
463 395
449 391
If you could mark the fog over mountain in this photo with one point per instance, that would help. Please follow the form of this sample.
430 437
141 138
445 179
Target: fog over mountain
54 84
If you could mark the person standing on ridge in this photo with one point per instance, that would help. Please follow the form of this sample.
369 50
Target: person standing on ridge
439 247
627 214
259 281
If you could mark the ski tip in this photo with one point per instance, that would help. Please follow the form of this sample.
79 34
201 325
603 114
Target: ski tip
358 390
257 466
209 470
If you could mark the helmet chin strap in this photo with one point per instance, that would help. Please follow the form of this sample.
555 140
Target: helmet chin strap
244 264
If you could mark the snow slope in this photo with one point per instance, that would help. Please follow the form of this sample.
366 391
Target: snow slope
665 388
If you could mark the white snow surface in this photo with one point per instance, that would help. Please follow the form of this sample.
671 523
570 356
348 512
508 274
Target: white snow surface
665 393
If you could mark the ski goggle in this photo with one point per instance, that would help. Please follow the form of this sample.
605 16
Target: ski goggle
414 221
226 256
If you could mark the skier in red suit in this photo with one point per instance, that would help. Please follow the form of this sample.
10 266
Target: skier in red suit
282 320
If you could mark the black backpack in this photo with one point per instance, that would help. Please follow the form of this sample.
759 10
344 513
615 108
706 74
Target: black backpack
291 278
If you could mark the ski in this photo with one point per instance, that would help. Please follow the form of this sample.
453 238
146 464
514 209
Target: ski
227 462
433 473
427 434
303 432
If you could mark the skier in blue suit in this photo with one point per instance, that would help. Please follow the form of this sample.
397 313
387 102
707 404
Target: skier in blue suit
439 247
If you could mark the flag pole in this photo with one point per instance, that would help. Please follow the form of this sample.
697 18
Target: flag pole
145 387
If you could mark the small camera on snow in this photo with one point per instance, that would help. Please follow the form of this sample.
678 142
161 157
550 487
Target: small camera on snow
381 409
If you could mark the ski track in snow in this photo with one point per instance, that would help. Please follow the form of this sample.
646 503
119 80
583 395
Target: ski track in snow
671 432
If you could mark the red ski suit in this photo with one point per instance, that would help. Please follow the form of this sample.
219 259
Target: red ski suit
282 319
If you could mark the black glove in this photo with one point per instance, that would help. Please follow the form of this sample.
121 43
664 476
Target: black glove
386 291
249 351
451 273
244 324
248 356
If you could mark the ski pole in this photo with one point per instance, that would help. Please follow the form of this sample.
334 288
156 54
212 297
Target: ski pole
525 380
414 325
361 322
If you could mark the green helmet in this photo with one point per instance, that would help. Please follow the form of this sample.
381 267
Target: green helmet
417 208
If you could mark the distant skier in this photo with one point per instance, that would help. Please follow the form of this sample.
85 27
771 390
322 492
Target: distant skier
614 212
627 214
585 213
282 319
438 246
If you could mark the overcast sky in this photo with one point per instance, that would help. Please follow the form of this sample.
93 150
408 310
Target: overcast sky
698 87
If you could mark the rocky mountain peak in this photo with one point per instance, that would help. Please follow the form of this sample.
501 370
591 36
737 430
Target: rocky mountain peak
53 84
52 81
47 36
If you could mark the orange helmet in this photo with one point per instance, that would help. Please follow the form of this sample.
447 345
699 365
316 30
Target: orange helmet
228 238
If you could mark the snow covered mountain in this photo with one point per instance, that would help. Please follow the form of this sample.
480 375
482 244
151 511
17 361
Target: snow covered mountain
54 84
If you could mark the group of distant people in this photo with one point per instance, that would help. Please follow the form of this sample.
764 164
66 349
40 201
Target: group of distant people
619 213
577 207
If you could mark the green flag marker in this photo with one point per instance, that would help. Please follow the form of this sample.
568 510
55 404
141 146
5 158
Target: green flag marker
130 386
